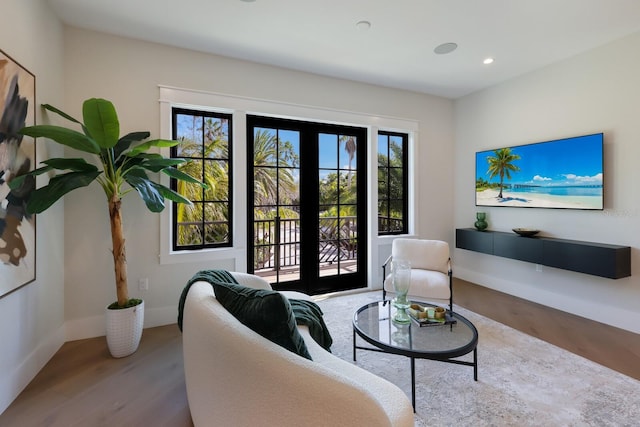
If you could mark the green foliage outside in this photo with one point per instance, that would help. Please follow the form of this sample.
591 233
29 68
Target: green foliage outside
391 188
212 167
276 183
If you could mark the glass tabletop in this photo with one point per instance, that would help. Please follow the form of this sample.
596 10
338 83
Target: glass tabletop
373 322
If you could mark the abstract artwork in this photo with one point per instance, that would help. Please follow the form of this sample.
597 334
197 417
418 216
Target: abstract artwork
17 156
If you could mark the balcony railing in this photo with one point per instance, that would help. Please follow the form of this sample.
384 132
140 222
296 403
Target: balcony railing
277 241
387 225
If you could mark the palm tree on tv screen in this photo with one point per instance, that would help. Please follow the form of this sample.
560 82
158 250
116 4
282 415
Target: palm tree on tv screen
502 165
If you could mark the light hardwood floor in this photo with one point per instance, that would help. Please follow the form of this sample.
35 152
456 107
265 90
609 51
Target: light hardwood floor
83 385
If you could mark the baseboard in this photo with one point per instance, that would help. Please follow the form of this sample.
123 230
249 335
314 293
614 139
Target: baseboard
86 327
617 317
160 316
15 381
90 327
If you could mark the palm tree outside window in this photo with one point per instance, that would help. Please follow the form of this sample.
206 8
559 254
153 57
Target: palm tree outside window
205 139
392 183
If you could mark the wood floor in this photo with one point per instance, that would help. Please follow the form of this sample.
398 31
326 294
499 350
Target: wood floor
83 385
615 348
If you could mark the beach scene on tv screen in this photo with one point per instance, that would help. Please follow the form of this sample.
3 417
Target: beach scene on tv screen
565 173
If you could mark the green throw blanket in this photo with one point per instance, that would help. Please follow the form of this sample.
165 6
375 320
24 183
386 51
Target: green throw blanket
207 276
308 313
305 312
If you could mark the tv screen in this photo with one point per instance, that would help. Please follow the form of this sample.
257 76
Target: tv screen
564 174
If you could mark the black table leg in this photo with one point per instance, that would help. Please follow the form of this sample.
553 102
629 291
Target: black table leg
413 383
354 345
475 364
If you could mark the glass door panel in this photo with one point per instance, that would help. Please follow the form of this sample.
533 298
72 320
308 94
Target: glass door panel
337 214
276 204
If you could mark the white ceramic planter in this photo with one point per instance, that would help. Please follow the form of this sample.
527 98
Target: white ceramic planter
124 330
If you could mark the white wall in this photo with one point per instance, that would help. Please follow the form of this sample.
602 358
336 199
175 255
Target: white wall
31 318
128 73
594 92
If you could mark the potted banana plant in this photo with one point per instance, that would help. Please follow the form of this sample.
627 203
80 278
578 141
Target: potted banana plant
120 165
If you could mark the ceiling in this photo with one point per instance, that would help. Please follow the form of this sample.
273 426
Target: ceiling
397 50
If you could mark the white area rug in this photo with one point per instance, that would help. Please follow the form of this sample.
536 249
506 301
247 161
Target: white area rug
522 381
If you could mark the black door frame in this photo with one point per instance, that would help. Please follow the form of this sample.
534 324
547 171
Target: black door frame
310 281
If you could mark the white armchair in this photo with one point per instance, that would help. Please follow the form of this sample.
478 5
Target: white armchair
431 276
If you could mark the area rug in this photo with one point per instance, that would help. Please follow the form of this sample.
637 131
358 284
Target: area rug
522 381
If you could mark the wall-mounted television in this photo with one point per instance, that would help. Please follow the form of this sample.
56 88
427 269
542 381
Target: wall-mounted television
563 174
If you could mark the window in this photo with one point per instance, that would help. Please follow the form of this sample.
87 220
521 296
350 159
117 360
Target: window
233 111
205 140
392 183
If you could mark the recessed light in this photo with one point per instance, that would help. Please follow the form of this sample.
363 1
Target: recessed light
363 25
445 48
248 1
488 61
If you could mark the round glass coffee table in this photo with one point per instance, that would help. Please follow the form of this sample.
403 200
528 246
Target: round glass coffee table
374 323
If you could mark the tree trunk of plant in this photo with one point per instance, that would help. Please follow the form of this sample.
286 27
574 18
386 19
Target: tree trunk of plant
119 256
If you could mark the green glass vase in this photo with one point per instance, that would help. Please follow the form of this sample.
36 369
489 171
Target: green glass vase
401 273
481 223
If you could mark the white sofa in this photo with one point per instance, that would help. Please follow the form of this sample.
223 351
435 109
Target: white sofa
235 377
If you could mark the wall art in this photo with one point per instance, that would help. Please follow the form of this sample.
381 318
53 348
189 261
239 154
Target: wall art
17 156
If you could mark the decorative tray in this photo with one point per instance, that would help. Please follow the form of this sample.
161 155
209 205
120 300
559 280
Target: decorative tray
526 232
422 315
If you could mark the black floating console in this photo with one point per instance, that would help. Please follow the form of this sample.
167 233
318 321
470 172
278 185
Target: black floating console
598 259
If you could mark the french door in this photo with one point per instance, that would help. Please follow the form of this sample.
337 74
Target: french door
306 204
